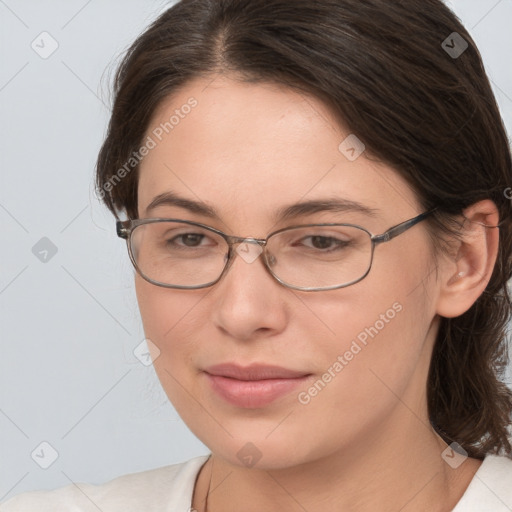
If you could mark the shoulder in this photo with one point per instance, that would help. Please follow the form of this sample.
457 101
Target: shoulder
167 487
490 490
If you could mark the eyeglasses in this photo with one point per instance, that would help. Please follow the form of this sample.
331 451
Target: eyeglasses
176 253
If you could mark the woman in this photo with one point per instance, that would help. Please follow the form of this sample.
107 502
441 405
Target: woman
317 216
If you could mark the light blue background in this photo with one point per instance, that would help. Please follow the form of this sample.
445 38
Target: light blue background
68 375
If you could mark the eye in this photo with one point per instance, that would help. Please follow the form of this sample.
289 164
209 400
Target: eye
322 242
189 239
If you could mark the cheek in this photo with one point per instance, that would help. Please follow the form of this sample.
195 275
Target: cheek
166 311
155 309
372 337
173 321
370 362
168 318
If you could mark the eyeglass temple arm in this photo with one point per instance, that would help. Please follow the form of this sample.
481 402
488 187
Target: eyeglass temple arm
400 228
122 228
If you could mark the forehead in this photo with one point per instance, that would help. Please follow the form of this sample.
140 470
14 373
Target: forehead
251 148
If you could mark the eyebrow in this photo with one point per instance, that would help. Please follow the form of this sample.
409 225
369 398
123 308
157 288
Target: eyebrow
281 214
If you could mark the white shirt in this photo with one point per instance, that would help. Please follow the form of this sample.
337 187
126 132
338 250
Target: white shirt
170 489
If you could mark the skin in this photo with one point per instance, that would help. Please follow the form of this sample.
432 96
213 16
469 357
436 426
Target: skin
364 442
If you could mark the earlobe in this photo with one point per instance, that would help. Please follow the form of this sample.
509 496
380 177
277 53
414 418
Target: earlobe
465 277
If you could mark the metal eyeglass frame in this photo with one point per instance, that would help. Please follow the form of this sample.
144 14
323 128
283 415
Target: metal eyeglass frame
125 228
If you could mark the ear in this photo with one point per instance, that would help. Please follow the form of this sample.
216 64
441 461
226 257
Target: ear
466 272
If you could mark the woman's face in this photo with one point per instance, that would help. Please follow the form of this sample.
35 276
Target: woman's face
247 151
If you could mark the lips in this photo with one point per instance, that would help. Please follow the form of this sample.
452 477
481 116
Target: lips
253 386
254 372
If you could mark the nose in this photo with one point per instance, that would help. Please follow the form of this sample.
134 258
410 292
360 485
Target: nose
248 301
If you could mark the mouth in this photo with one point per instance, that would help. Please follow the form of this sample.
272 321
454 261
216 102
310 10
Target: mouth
253 386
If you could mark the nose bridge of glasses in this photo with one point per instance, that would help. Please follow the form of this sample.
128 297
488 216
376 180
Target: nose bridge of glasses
248 248
235 240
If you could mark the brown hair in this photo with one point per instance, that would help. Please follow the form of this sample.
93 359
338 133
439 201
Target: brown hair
383 69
